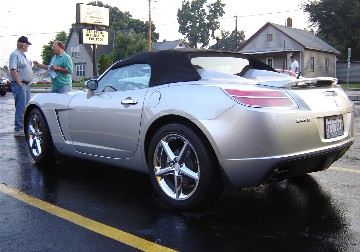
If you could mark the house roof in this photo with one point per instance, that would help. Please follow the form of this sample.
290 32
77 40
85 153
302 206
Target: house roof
167 45
303 37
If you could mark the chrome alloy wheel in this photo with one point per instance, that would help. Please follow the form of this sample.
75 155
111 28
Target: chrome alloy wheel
176 167
35 135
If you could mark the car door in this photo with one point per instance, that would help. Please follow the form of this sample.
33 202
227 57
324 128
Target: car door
108 122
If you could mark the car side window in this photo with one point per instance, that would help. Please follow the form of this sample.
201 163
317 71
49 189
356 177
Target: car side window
131 77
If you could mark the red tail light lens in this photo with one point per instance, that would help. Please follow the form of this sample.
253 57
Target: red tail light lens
261 98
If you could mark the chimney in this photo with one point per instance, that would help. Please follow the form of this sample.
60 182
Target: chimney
289 22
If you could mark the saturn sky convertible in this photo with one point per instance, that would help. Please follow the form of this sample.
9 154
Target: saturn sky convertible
195 121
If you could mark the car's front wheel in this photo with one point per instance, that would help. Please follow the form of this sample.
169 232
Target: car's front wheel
183 168
38 137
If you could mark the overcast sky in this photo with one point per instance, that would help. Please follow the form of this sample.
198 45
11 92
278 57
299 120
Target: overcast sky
40 20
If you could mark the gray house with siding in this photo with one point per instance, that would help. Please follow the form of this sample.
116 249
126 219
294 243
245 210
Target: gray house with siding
81 54
348 73
274 44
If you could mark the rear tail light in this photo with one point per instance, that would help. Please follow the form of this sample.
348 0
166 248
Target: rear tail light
261 98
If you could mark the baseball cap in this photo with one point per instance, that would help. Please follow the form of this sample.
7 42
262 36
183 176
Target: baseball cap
24 39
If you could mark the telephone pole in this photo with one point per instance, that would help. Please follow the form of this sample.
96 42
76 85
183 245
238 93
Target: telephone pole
236 33
149 28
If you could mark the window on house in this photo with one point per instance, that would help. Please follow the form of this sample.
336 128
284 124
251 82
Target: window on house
80 70
75 51
326 65
269 37
312 64
270 62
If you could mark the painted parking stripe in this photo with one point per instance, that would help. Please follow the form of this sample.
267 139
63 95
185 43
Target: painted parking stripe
344 169
113 233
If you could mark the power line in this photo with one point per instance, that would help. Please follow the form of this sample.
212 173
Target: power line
245 16
29 34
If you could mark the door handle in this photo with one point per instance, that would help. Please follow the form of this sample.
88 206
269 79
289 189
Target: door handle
129 101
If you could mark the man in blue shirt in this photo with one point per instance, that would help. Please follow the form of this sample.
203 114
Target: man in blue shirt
21 74
60 69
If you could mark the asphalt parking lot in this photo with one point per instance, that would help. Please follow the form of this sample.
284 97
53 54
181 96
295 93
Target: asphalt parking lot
76 205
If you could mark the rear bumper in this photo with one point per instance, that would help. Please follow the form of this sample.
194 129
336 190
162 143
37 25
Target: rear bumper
3 87
306 164
254 172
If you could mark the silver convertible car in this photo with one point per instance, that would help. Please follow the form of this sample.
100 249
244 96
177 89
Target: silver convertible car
195 121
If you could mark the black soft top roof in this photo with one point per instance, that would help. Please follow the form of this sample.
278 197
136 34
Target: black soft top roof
174 65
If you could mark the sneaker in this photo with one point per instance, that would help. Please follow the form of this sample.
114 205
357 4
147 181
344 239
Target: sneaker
19 133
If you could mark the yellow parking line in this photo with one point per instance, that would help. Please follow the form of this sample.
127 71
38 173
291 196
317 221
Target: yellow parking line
87 223
344 169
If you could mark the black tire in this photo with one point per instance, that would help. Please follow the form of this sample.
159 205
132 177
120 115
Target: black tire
3 93
183 169
38 137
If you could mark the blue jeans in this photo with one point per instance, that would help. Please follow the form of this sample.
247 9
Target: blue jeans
64 89
22 97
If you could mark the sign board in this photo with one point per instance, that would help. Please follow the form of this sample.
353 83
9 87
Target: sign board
94 37
89 14
349 54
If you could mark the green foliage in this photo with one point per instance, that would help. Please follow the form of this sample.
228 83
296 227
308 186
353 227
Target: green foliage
337 22
127 45
47 52
229 42
197 20
104 62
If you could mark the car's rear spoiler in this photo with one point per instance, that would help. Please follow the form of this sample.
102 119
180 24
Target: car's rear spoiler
312 83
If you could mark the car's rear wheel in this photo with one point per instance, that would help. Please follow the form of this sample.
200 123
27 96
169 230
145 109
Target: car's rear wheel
38 137
3 93
183 168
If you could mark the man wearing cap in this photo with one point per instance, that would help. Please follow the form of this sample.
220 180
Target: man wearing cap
20 76
60 69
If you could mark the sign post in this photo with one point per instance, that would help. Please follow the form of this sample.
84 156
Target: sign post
95 16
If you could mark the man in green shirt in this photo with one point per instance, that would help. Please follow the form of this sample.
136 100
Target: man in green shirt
60 69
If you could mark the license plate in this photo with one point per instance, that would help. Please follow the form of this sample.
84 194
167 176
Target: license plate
334 126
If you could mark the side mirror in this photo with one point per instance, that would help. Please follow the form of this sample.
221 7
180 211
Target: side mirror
91 84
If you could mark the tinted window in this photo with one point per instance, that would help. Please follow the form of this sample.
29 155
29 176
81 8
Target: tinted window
130 77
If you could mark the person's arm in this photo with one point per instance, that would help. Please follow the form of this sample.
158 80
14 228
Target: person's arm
60 69
15 75
41 65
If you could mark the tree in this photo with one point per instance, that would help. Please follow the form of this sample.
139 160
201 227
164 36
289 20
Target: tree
104 62
337 22
197 20
127 45
229 42
47 52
